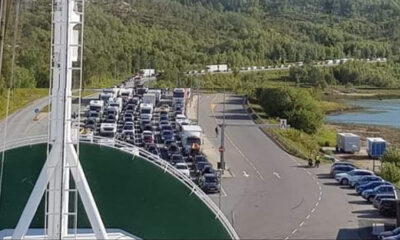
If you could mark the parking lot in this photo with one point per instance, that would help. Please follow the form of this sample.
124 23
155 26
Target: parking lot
152 119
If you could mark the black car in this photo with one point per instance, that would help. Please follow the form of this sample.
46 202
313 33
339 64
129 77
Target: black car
176 158
387 207
91 124
173 149
111 119
164 154
200 166
209 183
199 158
148 127
152 148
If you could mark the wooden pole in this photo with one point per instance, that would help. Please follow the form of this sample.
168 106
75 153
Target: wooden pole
3 15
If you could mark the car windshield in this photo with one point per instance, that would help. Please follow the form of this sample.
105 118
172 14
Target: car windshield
184 167
129 127
211 179
145 111
177 157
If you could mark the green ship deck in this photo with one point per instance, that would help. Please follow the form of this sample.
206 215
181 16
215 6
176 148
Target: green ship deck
131 193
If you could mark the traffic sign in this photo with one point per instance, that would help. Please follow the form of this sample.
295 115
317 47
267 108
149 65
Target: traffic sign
221 149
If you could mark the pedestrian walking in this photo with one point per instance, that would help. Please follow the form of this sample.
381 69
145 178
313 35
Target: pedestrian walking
310 163
216 131
317 161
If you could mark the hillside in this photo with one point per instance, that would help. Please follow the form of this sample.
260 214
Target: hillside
177 35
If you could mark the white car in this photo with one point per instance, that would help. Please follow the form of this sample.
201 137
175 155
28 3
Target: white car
352 176
183 168
108 129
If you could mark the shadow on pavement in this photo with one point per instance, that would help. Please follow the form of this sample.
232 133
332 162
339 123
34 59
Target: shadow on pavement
356 233
324 176
331 184
368 213
232 117
238 111
353 194
237 101
360 202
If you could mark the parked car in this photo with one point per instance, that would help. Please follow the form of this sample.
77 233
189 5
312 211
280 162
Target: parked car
371 193
340 169
91 124
385 234
200 166
152 148
341 163
352 176
377 199
387 207
176 158
147 137
167 135
209 183
164 154
183 168
366 179
370 185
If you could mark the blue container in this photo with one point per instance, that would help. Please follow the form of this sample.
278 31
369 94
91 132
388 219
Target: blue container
376 147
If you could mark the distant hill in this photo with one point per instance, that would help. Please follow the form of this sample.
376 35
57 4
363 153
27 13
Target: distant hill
178 35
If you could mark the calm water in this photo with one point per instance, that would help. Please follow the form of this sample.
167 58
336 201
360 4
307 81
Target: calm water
376 112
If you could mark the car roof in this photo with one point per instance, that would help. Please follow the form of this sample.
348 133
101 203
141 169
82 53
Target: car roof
362 170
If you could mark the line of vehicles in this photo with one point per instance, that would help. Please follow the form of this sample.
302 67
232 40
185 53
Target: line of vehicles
372 188
155 120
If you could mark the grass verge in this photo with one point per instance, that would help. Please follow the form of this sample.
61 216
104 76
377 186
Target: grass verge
19 98
293 141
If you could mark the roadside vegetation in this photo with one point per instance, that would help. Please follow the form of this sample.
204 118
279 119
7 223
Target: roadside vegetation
19 98
390 168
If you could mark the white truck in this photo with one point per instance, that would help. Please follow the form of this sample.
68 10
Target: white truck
126 92
191 134
96 105
150 98
148 72
108 129
146 110
347 142
179 96
157 92
217 68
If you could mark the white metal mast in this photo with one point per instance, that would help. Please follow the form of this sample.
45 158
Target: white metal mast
62 160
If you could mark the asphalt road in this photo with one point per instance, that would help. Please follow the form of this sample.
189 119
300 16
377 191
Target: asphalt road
22 124
272 195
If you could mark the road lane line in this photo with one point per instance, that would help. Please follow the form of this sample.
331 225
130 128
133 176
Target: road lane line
313 210
316 205
223 192
308 216
236 147
245 174
294 231
287 238
277 175
301 224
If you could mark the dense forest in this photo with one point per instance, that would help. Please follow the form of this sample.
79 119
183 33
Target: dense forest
179 35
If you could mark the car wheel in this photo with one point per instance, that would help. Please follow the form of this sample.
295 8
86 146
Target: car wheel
344 181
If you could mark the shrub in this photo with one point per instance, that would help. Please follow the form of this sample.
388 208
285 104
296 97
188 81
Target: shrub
295 105
390 172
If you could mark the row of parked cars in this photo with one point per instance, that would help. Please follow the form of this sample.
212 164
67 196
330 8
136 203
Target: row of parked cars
153 119
372 188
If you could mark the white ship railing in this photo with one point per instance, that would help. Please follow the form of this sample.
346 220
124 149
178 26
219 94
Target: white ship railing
131 149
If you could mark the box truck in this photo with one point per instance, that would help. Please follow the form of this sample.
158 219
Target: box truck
347 142
376 147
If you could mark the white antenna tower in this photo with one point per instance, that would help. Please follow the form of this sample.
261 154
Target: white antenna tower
63 158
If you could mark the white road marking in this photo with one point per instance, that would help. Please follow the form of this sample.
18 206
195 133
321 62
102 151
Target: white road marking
301 224
308 216
223 192
277 175
316 205
313 210
245 174
294 231
319 199
287 238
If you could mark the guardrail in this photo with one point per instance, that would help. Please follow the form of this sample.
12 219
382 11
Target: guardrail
156 160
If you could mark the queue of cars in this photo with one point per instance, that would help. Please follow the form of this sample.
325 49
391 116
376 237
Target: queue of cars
372 188
153 119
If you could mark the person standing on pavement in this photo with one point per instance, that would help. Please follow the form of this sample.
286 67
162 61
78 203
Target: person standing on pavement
317 161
